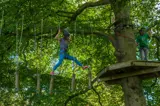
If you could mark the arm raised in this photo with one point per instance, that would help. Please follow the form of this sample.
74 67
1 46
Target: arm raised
57 35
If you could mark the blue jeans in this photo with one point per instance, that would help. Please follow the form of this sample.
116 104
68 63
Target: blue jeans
143 53
63 55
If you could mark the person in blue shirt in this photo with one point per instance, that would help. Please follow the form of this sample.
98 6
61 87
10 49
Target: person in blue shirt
143 43
63 51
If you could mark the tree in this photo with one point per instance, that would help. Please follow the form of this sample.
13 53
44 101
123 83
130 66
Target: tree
125 47
90 23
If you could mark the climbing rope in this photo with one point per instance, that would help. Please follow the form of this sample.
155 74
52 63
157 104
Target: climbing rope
1 27
73 82
52 76
40 62
89 69
18 48
17 62
20 42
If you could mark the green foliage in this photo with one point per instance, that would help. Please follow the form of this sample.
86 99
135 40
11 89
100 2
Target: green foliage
36 51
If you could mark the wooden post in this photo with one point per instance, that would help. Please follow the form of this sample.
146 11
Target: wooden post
17 81
51 85
89 78
38 83
73 83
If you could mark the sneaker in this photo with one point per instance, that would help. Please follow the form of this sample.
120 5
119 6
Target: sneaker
85 67
52 73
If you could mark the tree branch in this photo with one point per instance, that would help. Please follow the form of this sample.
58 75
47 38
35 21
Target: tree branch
65 12
77 94
154 83
64 15
110 38
87 5
61 2
99 97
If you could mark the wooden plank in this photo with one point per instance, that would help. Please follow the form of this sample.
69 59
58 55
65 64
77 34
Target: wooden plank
120 65
51 85
130 74
145 63
73 82
17 81
102 72
38 83
89 79
114 66
143 77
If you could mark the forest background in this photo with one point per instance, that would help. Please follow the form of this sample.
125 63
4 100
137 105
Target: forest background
27 30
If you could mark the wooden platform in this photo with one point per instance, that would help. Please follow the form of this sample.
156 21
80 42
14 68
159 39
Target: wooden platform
143 69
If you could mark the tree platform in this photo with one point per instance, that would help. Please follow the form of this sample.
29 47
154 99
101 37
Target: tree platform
142 69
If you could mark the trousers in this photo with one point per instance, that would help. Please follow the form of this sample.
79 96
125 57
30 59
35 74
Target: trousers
64 55
143 53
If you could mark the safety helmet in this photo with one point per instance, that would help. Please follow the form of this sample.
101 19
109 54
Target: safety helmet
66 33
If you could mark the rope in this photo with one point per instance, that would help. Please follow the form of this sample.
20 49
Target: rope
18 46
41 35
35 34
21 33
1 23
41 39
73 64
38 74
51 85
35 49
17 49
17 62
51 35
89 70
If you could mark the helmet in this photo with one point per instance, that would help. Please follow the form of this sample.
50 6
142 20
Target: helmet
66 33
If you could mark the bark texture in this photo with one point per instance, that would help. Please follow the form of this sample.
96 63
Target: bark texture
125 51
133 92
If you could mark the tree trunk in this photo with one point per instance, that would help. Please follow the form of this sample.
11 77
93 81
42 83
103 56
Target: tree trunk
125 51
133 92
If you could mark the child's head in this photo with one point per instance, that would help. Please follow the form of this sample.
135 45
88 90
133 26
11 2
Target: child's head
66 34
142 31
